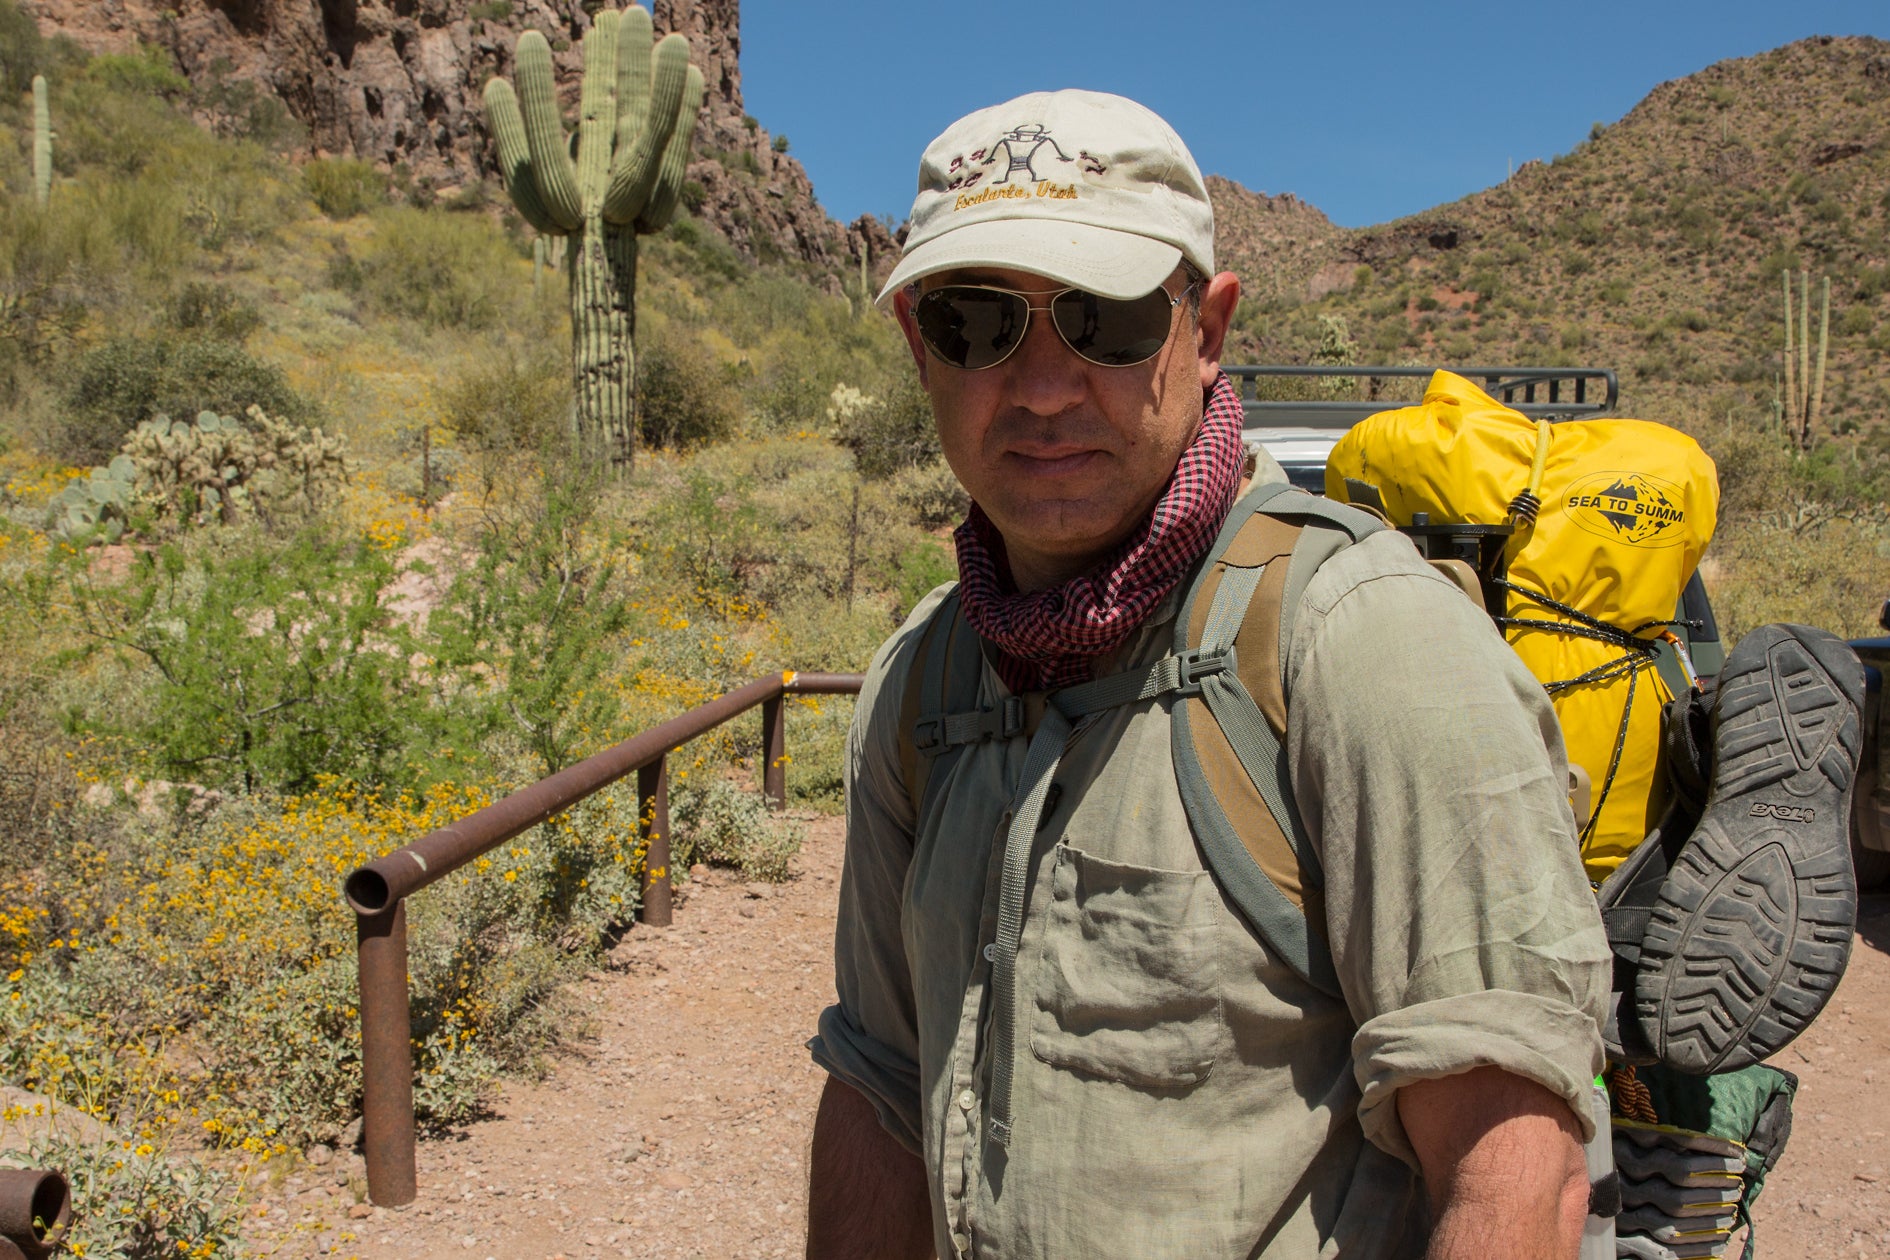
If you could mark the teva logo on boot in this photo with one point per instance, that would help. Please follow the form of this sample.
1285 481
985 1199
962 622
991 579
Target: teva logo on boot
1784 813
1628 507
1019 149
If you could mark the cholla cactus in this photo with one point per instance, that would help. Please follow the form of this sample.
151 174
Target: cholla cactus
636 116
222 468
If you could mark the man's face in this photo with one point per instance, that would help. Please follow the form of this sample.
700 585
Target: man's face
1067 456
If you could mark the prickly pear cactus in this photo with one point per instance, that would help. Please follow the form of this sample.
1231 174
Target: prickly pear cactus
96 506
637 113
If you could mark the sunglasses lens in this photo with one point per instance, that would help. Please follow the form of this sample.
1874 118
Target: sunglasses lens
1112 332
970 327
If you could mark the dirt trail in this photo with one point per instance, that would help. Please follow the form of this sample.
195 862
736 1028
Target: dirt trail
677 1126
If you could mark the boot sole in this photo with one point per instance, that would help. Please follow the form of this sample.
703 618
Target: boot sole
1752 928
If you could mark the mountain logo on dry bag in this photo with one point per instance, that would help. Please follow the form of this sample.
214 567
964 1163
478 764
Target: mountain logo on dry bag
1628 507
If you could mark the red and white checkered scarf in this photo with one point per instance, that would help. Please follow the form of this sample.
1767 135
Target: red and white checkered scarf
1052 637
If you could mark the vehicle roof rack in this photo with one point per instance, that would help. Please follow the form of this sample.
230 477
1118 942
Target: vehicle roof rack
1552 393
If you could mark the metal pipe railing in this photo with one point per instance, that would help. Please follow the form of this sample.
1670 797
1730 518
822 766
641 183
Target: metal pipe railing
35 1211
378 891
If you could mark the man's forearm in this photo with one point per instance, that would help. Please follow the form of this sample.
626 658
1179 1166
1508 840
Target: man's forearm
866 1194
1503 1166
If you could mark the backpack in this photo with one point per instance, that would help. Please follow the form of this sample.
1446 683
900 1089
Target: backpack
1225 669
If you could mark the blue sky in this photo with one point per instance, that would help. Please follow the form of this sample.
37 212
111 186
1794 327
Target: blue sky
1369 110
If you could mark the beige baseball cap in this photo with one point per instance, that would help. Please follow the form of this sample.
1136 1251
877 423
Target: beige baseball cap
1088 189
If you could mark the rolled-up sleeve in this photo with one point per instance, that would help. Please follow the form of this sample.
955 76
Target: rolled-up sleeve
1431 775
869 1037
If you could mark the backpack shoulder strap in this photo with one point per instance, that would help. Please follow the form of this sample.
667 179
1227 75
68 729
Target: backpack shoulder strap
938 710
1229 762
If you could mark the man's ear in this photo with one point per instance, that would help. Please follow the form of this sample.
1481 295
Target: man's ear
1219 296
902 311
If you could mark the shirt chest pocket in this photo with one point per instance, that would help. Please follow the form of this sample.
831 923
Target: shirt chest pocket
1128 984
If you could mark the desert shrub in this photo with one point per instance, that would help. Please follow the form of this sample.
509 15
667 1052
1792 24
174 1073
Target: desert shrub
136 1199
447 271
684 397
116 386
272 663
920 569
202 974
717 822
891 429
709 534
145 71
931 494
344 187
212 310
21 52
238 109
539 609
507 404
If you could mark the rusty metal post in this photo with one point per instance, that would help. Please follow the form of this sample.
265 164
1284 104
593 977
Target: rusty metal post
386 1056
774 751
35 1212
653 817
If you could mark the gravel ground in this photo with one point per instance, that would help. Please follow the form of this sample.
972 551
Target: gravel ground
676 1124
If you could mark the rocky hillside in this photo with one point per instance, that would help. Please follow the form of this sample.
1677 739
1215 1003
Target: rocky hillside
1655 247
399 82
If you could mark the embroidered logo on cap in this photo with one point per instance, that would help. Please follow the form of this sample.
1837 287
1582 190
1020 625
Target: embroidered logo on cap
1019 150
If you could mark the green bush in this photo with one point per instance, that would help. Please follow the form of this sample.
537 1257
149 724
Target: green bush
119 385
447 271
892 430
684 397
212 310
508 405
538 613
21 52
930 493
271 664
145 71
716 822
344 187
131 1199
922 568
240 110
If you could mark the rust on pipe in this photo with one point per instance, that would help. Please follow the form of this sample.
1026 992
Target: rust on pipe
774 752
35 1211
386 1057
653 818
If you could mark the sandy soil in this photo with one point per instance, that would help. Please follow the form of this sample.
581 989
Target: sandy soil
676 1123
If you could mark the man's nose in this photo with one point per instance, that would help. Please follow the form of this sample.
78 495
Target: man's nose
1045 376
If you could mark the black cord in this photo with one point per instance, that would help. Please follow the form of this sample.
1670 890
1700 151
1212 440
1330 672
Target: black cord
1638 654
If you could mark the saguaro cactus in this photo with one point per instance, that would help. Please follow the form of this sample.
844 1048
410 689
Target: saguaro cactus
637 113
42 143
1804 392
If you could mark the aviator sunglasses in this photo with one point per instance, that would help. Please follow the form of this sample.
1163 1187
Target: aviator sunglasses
976 326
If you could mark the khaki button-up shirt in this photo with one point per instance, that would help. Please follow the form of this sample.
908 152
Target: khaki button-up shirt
1184 1094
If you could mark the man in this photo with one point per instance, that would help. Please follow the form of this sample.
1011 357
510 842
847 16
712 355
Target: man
1068 1044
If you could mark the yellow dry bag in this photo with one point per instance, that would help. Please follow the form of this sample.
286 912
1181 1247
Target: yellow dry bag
1627 508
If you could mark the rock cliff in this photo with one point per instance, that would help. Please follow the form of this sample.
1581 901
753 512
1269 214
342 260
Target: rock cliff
400 82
